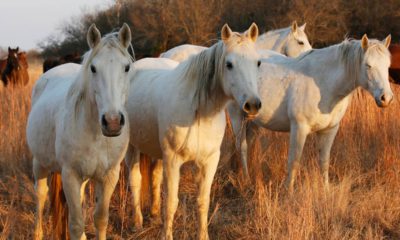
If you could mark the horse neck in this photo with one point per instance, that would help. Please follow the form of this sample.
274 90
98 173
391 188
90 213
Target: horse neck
81 109
210 107
272 41
330 74
10 66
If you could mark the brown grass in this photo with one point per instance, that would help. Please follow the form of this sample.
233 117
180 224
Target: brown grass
363 203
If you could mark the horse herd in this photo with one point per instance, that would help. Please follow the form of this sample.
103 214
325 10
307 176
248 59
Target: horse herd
87 118
14 68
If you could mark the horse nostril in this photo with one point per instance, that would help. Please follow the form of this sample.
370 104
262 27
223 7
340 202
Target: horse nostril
246 107
103 121
258 104
122 119
383 98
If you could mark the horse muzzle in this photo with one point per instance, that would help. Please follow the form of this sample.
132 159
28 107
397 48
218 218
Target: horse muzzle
251 107
111 124
384 100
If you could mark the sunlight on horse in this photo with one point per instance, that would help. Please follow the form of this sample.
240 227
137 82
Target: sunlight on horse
176 112
76 109
290 41
310 94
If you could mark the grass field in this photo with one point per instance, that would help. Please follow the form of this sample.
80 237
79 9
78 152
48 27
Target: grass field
363 202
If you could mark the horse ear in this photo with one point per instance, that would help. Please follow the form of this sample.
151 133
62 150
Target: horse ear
93 36
9 49
252 33
226 33
303 27
387 40
364 42
124 35
294 26
17 49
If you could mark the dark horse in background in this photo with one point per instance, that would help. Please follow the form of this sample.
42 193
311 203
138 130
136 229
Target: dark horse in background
394 70
14 69
51 62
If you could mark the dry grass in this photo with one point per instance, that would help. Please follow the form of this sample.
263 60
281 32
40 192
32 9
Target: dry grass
363 203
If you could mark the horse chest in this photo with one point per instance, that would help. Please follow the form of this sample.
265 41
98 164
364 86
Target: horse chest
91 160
196 142
320 121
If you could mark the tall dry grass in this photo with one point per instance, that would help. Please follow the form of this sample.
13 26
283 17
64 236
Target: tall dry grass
363 202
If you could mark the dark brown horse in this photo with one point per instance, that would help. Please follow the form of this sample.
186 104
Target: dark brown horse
16 71
3 65
51 62
394 70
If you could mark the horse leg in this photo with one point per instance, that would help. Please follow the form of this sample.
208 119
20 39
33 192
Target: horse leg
41 190
248 139
83 191
132 160
72 183
157 177
298 135
104 190
172 165
325 141
207 171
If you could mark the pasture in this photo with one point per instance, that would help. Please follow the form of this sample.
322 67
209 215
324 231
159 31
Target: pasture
363 202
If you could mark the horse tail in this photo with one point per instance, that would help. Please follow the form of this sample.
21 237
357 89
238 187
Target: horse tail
59 208
145 170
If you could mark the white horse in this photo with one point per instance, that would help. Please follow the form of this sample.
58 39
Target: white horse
310 94
76 129
290 41
177 113
182 52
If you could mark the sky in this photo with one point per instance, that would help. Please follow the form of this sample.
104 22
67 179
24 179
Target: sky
25 23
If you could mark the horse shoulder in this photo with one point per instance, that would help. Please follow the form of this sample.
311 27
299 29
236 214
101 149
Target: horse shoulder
192 139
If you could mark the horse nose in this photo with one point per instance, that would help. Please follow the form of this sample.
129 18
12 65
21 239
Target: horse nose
112 123
252 106
385 99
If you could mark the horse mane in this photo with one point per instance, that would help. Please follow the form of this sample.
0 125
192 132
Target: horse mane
78 91
205 70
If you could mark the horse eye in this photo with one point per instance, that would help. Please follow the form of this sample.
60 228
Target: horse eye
368 66
229 65
258 63
93 69
127 68
300 42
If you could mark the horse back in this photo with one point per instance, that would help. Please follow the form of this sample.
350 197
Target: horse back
58 76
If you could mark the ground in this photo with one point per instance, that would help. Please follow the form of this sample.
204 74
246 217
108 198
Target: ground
362 203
